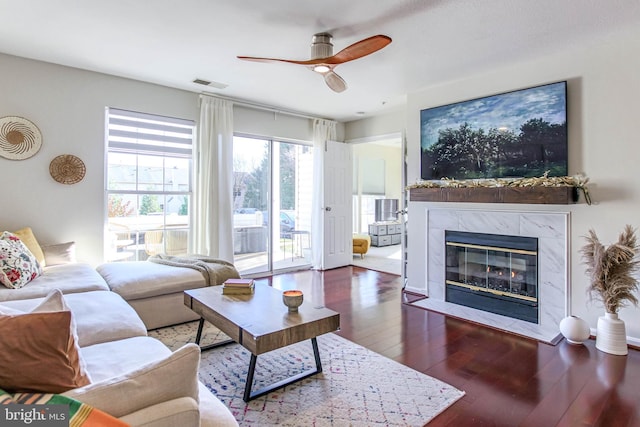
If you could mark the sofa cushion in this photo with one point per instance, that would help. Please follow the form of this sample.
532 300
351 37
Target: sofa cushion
161 378
39 353
104 316
18 266
29 239
54 301
100 316
183 411
143 279
213 412
113 358
60 253
69 278
163 310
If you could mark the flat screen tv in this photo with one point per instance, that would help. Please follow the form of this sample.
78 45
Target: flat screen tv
522 133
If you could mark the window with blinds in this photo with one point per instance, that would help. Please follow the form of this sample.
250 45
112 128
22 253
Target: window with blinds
149 184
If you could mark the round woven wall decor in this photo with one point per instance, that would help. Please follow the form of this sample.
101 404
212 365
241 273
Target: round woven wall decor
19 138
67 169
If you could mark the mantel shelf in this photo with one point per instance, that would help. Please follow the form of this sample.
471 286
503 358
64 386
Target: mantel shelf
523 195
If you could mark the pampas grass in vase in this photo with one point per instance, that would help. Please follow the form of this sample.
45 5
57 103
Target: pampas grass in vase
612 272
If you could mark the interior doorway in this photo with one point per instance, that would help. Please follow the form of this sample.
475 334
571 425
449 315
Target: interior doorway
378 173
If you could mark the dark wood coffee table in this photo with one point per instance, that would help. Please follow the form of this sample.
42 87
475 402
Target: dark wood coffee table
260 322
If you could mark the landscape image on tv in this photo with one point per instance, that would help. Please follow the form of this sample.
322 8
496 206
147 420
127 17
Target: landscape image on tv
516 134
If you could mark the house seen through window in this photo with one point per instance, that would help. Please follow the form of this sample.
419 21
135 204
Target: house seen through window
149 185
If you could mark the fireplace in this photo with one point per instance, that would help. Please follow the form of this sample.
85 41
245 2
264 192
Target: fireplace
494 273
426 275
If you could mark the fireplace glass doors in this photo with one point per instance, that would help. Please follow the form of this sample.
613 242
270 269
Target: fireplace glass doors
494 273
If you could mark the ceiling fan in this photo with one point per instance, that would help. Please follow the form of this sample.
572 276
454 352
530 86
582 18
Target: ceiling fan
323 61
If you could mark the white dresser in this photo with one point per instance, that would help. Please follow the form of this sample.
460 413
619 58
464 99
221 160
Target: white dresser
385 233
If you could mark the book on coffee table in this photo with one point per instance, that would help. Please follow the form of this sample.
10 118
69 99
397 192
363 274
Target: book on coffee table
238 291
238 283
238 286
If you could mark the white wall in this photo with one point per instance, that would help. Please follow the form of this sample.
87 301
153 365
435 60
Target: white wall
604 92
387 124
68 106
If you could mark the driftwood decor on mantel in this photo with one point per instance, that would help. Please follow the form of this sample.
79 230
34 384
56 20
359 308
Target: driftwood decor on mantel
542 190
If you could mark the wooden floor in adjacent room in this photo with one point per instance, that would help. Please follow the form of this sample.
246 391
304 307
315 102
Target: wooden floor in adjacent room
508 380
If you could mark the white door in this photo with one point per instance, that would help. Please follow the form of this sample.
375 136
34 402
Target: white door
338 240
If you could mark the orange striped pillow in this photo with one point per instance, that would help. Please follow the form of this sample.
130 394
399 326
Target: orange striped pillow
80 414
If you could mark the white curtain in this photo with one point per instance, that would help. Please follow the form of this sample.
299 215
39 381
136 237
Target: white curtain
323 131
212 214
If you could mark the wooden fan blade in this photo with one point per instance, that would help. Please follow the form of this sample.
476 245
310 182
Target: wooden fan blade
359 49
334 81
309 62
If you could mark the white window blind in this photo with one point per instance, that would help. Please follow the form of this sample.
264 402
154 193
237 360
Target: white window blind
373 174
140 133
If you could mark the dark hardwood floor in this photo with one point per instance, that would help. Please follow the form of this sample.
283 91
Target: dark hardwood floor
508 380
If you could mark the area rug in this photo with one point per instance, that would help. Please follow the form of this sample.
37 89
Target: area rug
387 259
356 388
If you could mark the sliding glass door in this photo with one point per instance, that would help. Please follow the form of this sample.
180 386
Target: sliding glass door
272 204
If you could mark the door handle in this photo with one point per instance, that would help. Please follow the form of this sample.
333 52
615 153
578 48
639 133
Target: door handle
328 209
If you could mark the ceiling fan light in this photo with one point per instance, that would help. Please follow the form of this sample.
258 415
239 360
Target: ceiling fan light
321 68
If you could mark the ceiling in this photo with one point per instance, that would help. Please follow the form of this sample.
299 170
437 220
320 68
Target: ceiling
173 42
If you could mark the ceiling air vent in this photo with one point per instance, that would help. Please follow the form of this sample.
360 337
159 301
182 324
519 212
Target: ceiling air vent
210 84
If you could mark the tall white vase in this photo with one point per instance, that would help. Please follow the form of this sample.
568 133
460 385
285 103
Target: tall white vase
611 335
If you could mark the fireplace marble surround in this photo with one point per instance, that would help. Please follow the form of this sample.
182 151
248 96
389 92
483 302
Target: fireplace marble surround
552 231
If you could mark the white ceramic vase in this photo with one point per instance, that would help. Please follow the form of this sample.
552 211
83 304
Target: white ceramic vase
575 329
611 335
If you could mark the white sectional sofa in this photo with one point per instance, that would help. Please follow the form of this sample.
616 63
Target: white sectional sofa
132 376
59 270
156 291
69 278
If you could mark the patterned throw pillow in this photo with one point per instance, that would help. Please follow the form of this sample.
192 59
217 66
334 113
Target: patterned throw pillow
18 266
